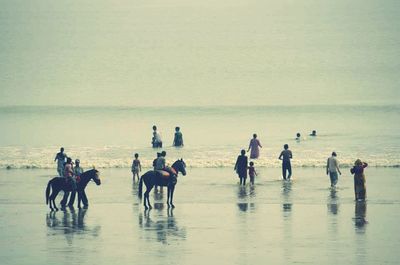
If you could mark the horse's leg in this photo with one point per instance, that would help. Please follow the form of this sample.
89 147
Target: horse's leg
63 202
72 199
145 195
172 195
85 199
168 195
79 199
148 190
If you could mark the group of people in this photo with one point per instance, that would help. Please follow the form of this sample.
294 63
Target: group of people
66 168
156 140
243 168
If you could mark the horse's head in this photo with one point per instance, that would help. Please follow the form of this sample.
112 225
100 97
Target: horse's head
95 175
180 166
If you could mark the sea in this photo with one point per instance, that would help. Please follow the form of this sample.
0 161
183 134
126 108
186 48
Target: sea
108 137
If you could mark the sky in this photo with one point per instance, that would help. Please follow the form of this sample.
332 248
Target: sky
199 53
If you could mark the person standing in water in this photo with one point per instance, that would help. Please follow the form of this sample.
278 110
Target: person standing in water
359 180
285 156
178 138
254 146
136 167
313 133
332 169
252 173
60 158
241 167
156 140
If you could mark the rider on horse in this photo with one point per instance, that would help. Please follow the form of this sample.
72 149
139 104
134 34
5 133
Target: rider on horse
69 173
167 173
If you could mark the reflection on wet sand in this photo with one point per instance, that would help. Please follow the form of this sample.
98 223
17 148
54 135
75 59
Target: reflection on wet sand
245 206
243 193
72 222
286 189
333 205
162 228
360 215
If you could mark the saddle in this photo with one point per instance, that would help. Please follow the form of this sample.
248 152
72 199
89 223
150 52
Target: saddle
167 173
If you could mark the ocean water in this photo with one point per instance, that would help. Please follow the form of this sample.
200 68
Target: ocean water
213 136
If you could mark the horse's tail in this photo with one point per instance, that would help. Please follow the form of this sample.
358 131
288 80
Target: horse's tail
140 187
48 192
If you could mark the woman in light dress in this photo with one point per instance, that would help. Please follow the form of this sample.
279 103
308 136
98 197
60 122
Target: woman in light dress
255 147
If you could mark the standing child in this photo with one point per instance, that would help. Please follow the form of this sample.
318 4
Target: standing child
252 173
136 167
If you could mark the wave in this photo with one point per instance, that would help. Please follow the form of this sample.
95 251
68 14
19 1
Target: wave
199 157
191 164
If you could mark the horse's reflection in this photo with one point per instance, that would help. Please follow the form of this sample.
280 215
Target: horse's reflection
333 205
164 227
71 222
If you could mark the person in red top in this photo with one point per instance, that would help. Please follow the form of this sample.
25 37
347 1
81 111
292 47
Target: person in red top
252 173
359 180
69 173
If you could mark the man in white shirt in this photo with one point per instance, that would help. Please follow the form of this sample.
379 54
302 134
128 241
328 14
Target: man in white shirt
332 169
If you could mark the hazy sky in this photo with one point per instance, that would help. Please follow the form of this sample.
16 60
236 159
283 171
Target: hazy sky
182 52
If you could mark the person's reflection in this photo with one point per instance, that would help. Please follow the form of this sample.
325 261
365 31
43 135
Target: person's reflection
243 206
286 189
242 192
333 205
360 215
165 227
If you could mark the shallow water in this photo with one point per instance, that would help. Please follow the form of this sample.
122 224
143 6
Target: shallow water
214 221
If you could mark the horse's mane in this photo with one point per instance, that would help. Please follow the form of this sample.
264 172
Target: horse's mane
87 172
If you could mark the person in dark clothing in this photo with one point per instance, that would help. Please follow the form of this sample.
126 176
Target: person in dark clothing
285 156
359 180
241 167
178 138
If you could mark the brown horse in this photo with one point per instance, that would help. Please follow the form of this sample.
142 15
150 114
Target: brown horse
154 177
58 183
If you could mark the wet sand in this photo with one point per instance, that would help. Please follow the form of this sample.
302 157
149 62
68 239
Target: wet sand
215 220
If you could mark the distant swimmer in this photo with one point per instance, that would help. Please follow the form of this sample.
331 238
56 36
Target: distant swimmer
136 167
61 159
313 133
332 169
298 137
156 141
178 138
359 180
254 147
285 156
241 167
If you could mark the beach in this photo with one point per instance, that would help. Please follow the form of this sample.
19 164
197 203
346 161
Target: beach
215 220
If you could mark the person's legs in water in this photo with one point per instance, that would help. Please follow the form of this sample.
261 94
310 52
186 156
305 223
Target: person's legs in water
284 171
244 181
289 168
334 178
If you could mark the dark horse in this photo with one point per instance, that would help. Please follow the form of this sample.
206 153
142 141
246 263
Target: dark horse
154 177
59 183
